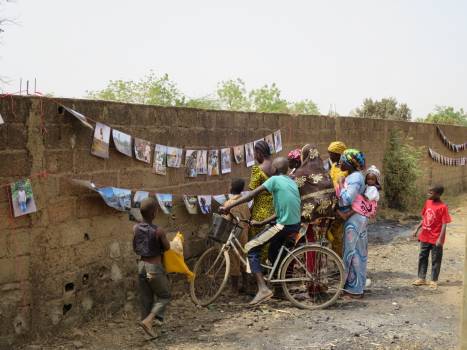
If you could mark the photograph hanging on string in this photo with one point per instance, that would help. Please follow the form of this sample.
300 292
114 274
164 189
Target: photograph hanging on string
277 141
165 201
239 154
122 142
160 159
226 166
213 162
22 198
191 204
117 198
191 163
220 198
135 213
100 143
249 154
202 167
1 120
143 150
205 203
270 141
174 157
83 120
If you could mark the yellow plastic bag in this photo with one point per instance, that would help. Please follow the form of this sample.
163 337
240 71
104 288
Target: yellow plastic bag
173 258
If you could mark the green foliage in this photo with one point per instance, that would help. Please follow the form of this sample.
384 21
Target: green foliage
447 115
401 171
387 108
233 95
230 95
151 90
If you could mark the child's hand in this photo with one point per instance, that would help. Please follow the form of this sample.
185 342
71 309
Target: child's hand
439 243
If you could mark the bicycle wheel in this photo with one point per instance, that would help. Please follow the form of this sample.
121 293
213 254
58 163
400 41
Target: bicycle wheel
314 277
211 274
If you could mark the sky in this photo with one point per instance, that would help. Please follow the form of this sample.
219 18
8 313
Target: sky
333 52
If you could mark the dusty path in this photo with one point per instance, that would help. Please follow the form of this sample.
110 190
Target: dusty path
393 315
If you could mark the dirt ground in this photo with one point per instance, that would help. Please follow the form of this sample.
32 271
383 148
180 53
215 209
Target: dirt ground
393 314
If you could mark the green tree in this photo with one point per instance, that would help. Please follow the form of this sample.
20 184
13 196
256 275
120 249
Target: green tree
203 103
151 89
304 107
387 108
268 99
447 115
401 170
233 95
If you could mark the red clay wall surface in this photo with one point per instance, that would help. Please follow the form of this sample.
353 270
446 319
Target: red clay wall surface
73 258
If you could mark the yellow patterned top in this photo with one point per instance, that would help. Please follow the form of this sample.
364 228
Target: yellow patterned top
335 172
263 207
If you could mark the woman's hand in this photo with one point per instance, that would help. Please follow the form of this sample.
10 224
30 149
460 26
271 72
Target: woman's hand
224 210
255 223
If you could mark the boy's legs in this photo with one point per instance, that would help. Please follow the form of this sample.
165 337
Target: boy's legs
436 258
423 259
145 292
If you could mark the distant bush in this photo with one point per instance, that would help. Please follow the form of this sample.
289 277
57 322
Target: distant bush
401 171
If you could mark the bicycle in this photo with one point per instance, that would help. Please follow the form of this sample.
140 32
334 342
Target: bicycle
311 274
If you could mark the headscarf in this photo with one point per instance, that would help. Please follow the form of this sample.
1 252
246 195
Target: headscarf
263 147
337 147
353 158
375 171
295 154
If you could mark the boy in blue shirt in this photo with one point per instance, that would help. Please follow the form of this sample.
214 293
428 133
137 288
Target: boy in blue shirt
287 216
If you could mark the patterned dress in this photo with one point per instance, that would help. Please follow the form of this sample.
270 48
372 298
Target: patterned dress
263 207
355 236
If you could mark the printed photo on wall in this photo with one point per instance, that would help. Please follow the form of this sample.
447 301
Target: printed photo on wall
1 120
79 116
249 154
191 163
117 198
278 141
255 142
205 204
122 142
22 198
239 153
165 201
100 144
135 213
202 167
191 204
220 198
226 162
143 150
213 162
250 203
270 141
160 160
174 157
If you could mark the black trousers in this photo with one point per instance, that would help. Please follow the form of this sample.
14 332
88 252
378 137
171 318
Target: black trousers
436 257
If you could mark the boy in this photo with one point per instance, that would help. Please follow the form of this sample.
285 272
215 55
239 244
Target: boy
150 242
287 215
435 219
242 212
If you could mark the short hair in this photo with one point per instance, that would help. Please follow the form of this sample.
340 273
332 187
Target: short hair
237 186
281 164
148 206
439 189
263 147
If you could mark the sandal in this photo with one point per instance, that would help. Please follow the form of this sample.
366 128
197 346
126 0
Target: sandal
419 282
350 296
147 330
262 299
433 285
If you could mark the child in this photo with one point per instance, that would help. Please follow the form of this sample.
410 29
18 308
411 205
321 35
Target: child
367 203
242 212
22 199
150 242
435 219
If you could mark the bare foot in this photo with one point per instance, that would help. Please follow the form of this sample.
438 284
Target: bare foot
261 296
419 282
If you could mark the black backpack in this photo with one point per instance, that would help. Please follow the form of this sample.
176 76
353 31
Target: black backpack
145 242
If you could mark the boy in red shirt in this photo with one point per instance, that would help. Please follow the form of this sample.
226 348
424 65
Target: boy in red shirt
435 219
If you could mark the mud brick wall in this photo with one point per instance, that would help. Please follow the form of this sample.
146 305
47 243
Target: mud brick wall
73 258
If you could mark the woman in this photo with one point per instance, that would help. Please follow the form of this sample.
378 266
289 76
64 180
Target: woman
263 207
355 227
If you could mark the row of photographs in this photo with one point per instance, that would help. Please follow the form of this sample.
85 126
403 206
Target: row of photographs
211 162
122 200
462 161
455 147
